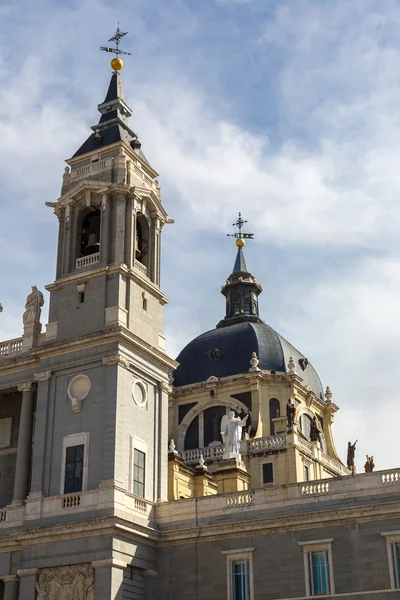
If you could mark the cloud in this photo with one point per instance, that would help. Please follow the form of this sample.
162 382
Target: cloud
299 131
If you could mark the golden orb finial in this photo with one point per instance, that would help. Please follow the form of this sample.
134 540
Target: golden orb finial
116 64
240 242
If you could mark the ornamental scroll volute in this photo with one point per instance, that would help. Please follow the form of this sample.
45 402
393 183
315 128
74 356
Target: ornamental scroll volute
74 582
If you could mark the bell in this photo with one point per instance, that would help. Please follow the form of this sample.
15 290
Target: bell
93 245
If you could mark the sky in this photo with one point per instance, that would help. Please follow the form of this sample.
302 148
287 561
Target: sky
286 111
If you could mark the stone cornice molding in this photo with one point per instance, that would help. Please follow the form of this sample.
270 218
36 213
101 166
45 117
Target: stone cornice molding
116 359
279 524
109 562
10 578
27 572
43 376
26 387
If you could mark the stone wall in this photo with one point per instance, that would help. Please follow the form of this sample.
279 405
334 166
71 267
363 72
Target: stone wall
10 406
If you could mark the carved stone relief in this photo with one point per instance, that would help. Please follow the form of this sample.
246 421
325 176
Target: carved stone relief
75 582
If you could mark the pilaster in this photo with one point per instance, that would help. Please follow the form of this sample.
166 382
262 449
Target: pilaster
11 587
27 585
109 576
24 444
41 433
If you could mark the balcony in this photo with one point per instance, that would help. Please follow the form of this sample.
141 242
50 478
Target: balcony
84 261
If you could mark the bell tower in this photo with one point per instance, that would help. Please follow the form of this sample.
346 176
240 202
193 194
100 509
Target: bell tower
110 220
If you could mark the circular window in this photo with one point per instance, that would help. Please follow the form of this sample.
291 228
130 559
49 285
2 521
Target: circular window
139 393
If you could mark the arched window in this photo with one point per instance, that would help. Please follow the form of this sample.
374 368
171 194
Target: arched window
212 424
274 412
142 240
192 435
236 307
247 305
305 426
89 232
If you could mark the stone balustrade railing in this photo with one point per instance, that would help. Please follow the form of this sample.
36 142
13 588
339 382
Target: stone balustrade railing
278 497
99 499
91 170
239 499
209 454
269 442
11 347
91 259
141 267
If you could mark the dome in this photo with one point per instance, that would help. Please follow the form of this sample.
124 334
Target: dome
226 351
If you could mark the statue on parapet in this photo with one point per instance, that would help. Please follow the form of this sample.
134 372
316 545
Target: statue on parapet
231 431
33 307
369 464
290 414
351 451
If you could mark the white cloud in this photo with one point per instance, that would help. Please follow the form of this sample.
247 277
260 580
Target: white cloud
330 185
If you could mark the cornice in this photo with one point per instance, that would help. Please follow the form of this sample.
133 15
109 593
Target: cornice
276 524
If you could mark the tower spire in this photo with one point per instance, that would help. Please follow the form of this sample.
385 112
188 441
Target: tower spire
241 289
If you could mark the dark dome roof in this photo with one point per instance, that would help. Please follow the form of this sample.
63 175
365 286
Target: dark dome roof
236 344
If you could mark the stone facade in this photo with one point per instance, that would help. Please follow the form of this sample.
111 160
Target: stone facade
88 410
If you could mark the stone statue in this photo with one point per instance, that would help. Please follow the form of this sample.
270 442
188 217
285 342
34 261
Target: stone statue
351 450
369 465
246 428
290 414
33 307
232 435
75 582
314 431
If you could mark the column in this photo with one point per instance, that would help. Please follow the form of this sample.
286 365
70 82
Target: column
108 580
24 444
41 433
162 441
11 587
27 583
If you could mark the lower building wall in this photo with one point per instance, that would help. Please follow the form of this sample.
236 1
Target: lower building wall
360 563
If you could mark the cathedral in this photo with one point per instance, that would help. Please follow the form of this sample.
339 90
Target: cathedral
126 474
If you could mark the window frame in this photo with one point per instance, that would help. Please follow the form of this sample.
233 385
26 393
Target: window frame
267 462
75 439
237 556
313 547
393 539
142 482
140 446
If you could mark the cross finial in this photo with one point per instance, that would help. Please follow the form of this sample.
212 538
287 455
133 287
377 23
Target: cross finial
240 235
116 63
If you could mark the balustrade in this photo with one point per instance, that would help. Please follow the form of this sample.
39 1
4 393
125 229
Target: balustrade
266 443
11 347
72 501
238 500
391 478
141 267
314 489
87 260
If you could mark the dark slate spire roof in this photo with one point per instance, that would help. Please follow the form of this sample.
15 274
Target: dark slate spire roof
241 292
113 125
240 263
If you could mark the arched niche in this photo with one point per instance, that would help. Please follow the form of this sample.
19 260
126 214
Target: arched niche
200 408
142 245
88 227
274 413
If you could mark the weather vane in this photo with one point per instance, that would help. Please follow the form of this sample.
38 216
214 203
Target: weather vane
239 235
116 62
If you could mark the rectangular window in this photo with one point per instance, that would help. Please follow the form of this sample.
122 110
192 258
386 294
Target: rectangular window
319 573
396 560
240 580
268 473
306 473
139 460
74 469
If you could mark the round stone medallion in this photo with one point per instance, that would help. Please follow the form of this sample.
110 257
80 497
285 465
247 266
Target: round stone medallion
79 387
139 393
